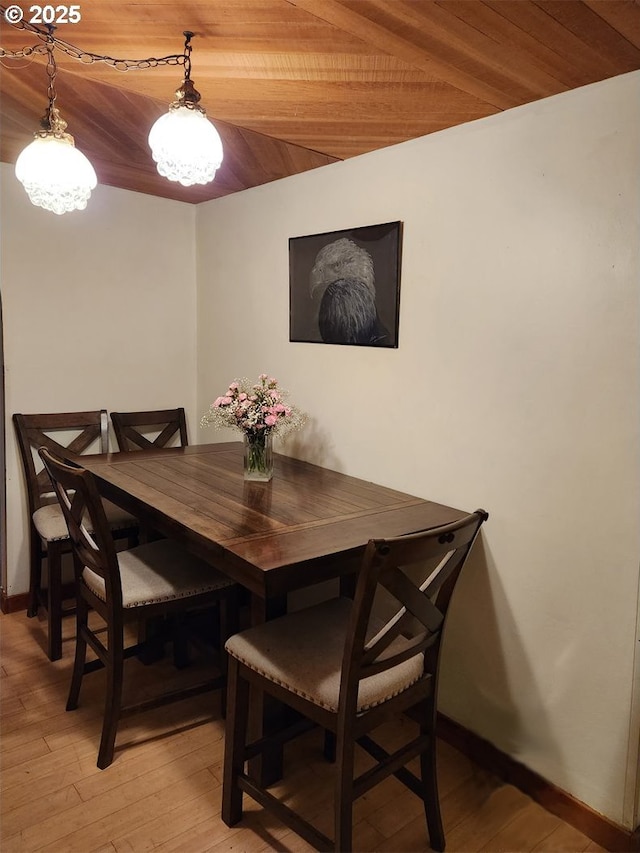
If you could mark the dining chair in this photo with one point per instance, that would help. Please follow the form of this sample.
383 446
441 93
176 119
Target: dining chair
78 433
156 578
146 430
344 667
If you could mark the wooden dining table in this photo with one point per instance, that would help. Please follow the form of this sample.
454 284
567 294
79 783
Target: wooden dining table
307 525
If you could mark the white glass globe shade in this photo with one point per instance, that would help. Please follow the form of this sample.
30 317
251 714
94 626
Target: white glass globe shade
55 174
186 146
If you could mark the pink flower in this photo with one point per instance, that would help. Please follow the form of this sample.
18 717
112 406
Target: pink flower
254 408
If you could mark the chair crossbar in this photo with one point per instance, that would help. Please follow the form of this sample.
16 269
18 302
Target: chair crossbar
310 834
94 665
415 601
415 646
78 444
96 645
445 573
405 776
257 747
169 431
67 609
99 663
141 440
390 764
172 696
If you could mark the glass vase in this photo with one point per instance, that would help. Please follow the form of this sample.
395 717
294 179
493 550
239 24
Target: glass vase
258 457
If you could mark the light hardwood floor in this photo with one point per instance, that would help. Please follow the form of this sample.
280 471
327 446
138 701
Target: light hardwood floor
162 792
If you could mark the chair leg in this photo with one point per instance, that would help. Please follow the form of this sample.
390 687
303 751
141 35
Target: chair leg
235 735
151 636
329 748
179 633
228 626
35 572
229 621
113 699
82 615
428 770
431 800
54 601
343 798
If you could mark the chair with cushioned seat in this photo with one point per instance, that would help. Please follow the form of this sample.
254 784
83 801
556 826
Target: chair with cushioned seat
348 667
133 429
157 578
77 433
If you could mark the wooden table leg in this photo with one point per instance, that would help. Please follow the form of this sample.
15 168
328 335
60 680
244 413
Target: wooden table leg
266 714
348 585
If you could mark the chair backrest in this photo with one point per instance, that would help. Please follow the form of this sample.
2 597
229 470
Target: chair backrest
81 504
163 425
77 432
416 574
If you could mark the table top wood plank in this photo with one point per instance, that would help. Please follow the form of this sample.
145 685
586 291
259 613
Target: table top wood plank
286 503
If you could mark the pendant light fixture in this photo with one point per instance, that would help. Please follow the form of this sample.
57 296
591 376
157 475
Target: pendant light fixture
58 177
184 143
55 174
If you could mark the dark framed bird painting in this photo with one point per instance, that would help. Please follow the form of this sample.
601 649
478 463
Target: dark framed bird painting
344 286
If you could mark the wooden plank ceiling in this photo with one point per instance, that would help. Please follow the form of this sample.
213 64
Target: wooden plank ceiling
295 84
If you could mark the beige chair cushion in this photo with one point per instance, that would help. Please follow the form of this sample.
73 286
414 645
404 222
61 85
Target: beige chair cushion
303 652
50 524
159 571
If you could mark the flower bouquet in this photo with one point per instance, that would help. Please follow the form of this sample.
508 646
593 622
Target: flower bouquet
260 412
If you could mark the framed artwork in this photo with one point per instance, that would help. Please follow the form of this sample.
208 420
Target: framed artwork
344 286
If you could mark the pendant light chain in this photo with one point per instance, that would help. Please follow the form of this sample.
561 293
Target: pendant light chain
188 35
52 122
52 70
88 58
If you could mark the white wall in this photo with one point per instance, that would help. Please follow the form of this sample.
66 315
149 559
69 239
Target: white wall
99 312
514 388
